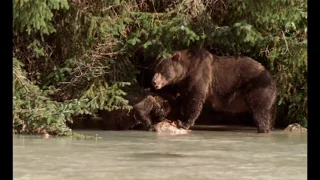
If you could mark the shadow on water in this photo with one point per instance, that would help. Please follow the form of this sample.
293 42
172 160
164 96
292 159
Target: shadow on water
159 155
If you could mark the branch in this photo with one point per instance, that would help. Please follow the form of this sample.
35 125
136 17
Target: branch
287 47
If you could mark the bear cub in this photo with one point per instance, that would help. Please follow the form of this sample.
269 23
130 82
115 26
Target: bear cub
151 110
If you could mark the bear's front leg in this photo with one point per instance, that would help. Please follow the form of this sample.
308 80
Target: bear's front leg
144 119
148 126
192 110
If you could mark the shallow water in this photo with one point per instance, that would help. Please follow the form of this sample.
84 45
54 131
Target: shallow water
135 155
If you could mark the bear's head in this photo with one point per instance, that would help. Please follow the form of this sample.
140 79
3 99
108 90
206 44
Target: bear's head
168 71
164 104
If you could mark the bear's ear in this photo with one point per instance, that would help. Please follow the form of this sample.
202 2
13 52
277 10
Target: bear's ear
176 56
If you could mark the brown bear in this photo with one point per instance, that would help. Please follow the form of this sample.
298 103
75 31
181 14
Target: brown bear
147 111
226 83
150 111
153 112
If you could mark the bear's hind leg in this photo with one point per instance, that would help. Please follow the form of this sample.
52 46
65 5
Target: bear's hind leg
261 102
262 119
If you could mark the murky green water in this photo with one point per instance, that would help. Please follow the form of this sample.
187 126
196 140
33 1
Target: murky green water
134 155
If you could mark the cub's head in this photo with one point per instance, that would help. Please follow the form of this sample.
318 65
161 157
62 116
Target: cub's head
168 71
163 104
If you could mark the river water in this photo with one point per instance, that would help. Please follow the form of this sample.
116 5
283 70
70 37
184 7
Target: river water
136 155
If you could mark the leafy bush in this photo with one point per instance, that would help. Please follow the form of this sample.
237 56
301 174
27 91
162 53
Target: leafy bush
35 112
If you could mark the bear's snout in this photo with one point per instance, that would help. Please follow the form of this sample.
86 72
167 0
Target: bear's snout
154 82
158 81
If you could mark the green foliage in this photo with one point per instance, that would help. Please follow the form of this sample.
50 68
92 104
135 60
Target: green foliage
78 55
35 15
35 112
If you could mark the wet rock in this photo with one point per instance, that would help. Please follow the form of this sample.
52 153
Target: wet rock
295 127
169 127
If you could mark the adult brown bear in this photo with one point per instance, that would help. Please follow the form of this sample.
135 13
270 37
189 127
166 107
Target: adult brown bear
226 83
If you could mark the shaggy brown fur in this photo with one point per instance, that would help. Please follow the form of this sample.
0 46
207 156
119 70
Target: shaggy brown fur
226 83
147 110
151 110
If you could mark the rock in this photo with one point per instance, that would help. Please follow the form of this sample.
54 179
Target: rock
295 127
169 127
46 135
